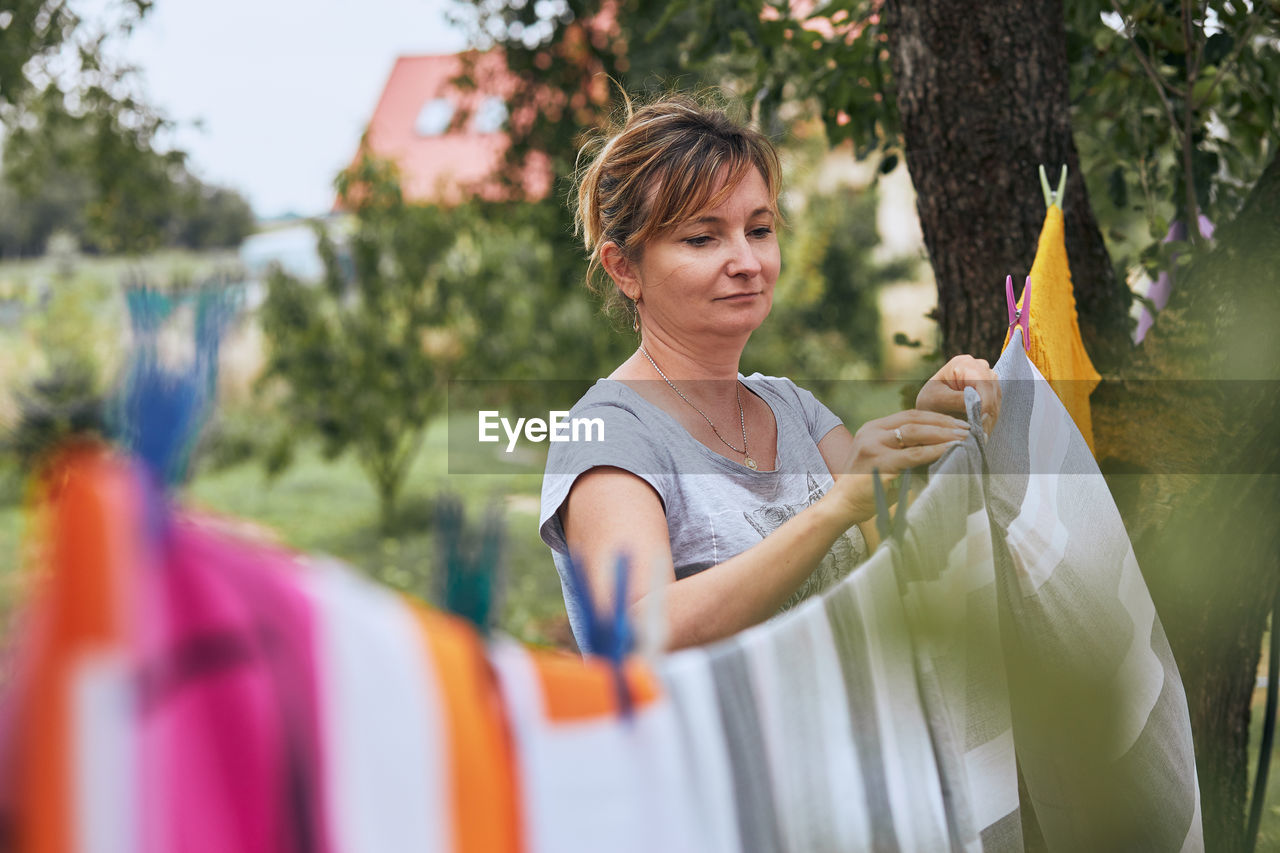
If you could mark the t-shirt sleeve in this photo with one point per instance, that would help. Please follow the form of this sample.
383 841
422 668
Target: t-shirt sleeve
817 417
614 437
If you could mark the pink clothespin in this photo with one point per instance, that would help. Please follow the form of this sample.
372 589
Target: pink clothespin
1019 317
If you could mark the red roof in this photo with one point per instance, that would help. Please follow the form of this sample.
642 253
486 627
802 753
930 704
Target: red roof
448 164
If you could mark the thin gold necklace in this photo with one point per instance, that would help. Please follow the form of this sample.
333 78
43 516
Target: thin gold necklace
742 417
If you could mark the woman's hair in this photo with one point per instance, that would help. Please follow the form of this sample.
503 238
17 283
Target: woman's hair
660 169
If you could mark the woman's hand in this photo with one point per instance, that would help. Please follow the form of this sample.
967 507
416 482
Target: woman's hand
944 393
892 444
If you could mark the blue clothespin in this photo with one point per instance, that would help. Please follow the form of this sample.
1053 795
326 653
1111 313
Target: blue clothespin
1051 197
468 576
158 412
1020 317
609 636
895 528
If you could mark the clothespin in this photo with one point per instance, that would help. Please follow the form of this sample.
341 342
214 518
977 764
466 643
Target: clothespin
158 411
1050 197
469 575
608 636
895 528
1020 317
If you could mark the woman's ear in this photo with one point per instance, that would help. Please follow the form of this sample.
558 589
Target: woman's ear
620 269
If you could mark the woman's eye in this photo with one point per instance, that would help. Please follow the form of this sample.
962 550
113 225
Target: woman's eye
762 231
697 241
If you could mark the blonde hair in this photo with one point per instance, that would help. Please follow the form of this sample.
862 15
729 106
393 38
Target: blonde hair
659 169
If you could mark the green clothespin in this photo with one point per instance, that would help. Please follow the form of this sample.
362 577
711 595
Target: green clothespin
1050 197
467 576
896 527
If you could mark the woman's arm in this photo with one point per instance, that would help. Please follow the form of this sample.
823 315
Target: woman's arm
835 447
610 511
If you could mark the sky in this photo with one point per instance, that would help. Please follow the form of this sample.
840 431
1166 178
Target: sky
283 89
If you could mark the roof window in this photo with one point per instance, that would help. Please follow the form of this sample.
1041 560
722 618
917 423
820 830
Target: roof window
490 115
434 117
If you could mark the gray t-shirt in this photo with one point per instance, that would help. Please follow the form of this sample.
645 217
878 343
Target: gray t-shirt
715 507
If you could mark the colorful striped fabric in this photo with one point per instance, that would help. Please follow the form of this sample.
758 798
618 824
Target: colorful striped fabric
180 689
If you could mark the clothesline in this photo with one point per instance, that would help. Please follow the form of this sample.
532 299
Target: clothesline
281 703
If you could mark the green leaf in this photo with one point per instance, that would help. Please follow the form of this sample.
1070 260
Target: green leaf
1217 47
901 339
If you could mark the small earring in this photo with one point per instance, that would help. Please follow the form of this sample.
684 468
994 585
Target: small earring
635 317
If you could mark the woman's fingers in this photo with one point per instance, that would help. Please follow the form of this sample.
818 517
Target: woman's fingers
977 374
917 434
945 391
894 462
920 416
938 396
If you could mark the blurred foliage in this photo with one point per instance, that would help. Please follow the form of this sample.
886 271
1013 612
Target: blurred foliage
234 436
412 297
59 391
63 403
364 354
515 277
1171 112
825 324
81 150
36 33
1159 103
95 174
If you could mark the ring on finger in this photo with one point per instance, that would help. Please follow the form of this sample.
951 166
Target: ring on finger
897 431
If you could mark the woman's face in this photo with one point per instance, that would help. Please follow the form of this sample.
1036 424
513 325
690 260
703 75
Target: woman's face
715 273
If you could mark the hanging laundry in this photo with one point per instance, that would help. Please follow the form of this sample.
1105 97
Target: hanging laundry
69 738
1100 719
213 693
480 760
591 778
386 743
1055 344
687 677
229 726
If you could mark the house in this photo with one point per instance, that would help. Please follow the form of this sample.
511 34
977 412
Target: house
448 142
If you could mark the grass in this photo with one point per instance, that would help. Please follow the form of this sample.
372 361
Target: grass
329 507
161 266
1269 828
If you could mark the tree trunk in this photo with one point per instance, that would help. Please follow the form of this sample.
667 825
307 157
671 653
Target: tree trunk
983 97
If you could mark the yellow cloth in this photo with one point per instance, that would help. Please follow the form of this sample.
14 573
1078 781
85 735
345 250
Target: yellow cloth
1055 344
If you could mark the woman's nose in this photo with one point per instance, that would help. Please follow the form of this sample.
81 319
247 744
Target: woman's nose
744 260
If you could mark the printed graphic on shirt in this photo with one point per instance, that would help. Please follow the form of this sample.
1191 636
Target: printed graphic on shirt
839 561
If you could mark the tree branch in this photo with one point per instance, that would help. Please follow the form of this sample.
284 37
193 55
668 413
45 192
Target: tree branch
1192 67
1227 64
1156 80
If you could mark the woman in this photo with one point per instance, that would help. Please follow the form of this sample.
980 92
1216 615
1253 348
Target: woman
746 491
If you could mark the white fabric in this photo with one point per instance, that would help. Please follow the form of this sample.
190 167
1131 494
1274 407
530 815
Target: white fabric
601 784
387 788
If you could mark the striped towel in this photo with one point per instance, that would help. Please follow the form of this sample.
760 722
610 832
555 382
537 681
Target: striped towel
1100 717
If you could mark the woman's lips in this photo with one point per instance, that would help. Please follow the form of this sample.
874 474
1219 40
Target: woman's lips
738 297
